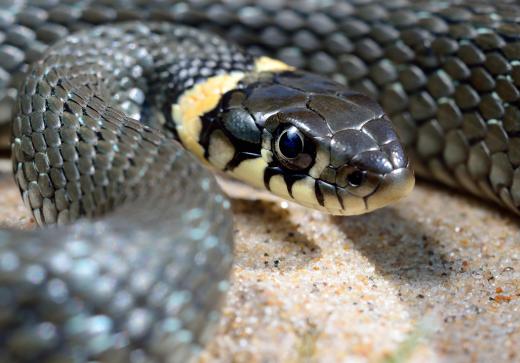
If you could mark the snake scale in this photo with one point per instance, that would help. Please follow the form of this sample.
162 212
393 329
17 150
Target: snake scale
96 113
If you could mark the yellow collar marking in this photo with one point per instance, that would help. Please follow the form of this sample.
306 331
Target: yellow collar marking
195 102
266 64
204 97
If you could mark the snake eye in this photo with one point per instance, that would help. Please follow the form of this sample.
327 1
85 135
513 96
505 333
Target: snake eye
291 150
356 178
290 143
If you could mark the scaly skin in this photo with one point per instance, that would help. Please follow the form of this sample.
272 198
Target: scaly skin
446 73
146 276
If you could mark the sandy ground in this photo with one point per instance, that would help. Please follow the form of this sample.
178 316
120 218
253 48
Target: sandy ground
435 278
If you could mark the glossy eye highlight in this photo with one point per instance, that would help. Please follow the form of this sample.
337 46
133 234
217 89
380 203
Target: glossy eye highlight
292 150
290 143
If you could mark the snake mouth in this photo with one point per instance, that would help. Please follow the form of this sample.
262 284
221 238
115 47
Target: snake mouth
339 201
394 186
391 187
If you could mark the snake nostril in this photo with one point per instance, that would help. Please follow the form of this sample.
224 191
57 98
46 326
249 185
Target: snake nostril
356 178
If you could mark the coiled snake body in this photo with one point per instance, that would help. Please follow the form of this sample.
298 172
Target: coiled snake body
97 112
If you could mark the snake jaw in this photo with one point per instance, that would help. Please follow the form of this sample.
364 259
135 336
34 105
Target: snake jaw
393 187
389 188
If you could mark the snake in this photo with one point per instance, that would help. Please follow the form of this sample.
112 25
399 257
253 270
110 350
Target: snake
121 111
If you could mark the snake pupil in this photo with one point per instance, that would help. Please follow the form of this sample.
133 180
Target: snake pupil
290 143
356 178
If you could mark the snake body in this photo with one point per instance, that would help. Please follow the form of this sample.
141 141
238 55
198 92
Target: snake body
97 112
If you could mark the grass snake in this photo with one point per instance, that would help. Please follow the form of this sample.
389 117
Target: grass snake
98 106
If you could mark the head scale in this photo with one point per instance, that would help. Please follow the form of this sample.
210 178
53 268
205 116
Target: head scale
310 140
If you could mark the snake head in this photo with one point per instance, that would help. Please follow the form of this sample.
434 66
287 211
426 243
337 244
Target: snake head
339 143
317 143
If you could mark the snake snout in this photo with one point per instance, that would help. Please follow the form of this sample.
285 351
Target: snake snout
393 187
372 169
388 163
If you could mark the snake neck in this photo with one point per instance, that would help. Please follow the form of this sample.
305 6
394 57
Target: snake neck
196 119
